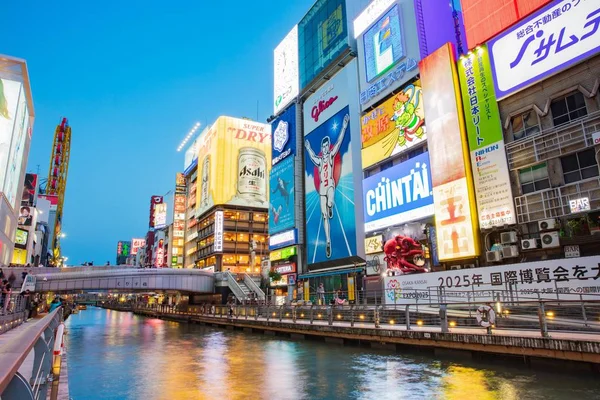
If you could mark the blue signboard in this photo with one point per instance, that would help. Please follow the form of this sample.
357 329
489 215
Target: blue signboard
283 239
398 194
283 139
281 198
330 222
322 36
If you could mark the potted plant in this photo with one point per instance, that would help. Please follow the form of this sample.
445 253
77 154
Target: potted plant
275 276
594 226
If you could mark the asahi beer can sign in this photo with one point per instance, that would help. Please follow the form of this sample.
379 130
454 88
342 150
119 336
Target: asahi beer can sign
205 182
252 180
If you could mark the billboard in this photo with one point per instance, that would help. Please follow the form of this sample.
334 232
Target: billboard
399 194
440 22
388 49
394 126
560 35
453 197
322 37
284 135
124 249
25 216
136 245
21 238
29 190
154 201
281 197
565 278
285 73
160 215
219 224
19 257
484 18
17 152
233 167
486 141
190 158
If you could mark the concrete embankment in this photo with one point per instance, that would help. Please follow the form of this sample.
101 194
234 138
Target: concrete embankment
575 350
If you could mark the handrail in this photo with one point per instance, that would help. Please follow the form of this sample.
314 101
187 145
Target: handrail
124 272
234 286
254 287
16 350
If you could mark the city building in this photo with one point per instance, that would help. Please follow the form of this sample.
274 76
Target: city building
190 172
231 196
16 123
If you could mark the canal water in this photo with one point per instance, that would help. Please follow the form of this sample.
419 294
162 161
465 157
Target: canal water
118 355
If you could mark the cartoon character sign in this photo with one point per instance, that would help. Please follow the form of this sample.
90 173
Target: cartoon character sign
393 127
404 254
330 226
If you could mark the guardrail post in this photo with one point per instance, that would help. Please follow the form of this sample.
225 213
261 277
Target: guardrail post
311 314
257 311
583 313
407 316
330 315
294 314
444 318
542 317
281 313
376 316
351 315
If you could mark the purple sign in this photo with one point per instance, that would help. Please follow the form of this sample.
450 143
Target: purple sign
440 22
560 35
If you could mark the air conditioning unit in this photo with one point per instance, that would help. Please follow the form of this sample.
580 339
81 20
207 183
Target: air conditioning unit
547 224
508 237
529 244
510 251
550 239
493 256
455 267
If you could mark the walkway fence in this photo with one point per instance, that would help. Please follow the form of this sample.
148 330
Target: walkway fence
12 312
544 316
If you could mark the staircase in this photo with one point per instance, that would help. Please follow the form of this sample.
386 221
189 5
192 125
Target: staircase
245 289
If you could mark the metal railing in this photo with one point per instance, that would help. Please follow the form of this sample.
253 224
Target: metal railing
567 320
234 286
253 286
12 312
553 142
40 338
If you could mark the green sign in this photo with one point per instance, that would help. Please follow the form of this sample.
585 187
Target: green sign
482 116
283 254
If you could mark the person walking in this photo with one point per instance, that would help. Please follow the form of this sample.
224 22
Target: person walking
6 292
321 294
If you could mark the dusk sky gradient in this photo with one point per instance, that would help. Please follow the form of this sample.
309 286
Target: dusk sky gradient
133 77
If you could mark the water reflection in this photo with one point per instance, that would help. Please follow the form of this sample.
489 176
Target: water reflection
116 355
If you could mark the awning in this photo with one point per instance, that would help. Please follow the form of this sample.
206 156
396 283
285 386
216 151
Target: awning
332 271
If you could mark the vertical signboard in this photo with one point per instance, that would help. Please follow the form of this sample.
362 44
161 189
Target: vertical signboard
333 191
29 190
232 164
281 197
283 139
154 201
560 35
322 37
394 126
160 215
136 245
388 48
218 242
285 73
453 197
486 141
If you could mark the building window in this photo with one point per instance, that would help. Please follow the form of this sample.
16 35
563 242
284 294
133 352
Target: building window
568 108
525 124
533 230
386 165
579 166
534 178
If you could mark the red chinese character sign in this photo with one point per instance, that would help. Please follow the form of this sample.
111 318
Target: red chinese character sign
453 196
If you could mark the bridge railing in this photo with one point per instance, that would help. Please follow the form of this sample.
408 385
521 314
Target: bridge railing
252 285
12 311
234 286
39 338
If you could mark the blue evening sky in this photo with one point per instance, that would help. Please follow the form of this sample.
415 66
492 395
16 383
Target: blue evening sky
133 77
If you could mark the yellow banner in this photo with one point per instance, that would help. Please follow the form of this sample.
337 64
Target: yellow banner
234 161
19 257
306 290
351 289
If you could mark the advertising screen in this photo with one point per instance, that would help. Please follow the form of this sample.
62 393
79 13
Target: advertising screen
485 18
440 22
486 141
285 73
21 238
388 50
394 126
454 203
322 37
29 190
330 223
232 164
9 99
25 216
17 150
398 194
281 197
136 245
154 201
19 256
284 135
560 35
160 215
